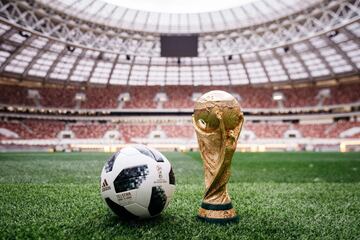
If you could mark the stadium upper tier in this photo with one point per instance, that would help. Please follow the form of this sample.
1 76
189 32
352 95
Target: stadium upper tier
289 41
171 97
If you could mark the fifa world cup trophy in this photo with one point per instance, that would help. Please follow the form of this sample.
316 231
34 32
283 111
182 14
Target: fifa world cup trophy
217 120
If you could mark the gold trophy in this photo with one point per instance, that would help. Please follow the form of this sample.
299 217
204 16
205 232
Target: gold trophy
217 120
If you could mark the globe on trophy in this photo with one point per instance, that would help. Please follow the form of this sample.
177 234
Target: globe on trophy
217 120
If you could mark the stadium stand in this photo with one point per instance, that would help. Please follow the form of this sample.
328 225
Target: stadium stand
88 130
101 97
34 129
142 97
57 97
49 129
314 130
178 131
263 130
178 97
130 131
16 96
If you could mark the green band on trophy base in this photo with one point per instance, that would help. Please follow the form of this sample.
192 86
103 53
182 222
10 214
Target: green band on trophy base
209 206
217 213
219 220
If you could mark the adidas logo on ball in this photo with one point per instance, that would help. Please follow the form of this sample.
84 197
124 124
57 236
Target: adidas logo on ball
105 186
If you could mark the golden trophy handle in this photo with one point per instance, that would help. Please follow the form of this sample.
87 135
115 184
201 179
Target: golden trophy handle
217 138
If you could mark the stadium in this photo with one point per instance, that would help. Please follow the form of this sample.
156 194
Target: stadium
82 79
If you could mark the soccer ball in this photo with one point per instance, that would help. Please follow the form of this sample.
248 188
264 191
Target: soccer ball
137 182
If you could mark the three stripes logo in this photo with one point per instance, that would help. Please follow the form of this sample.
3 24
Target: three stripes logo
105 186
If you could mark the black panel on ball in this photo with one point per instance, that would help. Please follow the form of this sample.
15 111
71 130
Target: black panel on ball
157 201
171 177
146 151
130 178
110 163
120 210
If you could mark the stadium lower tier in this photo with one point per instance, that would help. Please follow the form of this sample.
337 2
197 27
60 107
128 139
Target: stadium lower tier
168 97
129 132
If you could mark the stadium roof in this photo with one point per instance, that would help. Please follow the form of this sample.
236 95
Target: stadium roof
42 41
180 16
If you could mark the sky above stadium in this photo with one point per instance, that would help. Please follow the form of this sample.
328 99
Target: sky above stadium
179 6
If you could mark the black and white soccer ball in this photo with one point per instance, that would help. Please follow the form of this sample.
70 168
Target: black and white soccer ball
137 182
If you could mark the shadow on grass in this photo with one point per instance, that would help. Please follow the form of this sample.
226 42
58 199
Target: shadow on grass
148 222
168 226
101 223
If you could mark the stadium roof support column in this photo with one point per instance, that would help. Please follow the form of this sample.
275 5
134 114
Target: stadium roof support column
352 37
188 22
37 56
200 23
341 52
53 65
246 71
297 56
241 57
223 18
165 71
100 9
263 66
276 55
179 82
85 7
148 71
286 5
158 22
249 17
112 69
147 19
274 52
258 9
73 3
6 35
133 20
130 70
108 18
210 74
211 20
122 17
73 67
227 70
234 15
170 20
92 70
273 9
178 23
192 71
22 46
318 54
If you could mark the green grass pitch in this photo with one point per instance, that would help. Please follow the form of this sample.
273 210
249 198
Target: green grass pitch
277 196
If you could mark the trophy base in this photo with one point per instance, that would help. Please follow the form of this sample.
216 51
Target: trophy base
217 213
